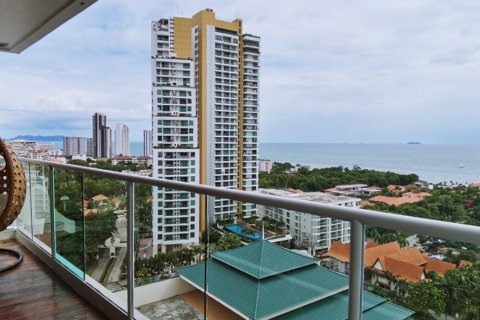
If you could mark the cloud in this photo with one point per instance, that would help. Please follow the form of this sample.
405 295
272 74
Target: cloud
331 71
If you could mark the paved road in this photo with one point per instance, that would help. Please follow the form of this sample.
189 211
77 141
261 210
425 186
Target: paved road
100 266
117 265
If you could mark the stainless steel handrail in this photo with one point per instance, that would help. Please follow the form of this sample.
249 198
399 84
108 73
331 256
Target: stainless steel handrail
358 218
440 229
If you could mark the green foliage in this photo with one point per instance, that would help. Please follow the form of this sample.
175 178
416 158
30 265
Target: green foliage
228 241
95 185
460 205
143 208
462 288
98 228
381 235
214 235
78 162
425 296
107 165
163 264
324 178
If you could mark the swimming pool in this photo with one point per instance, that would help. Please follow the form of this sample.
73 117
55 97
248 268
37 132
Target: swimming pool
239 230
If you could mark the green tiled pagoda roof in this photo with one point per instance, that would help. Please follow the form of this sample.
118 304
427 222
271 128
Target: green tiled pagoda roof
271 284
387 311
263 259
336 308
261 298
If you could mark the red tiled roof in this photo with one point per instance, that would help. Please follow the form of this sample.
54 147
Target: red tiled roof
373 253
340 251
397 201
407 264
410 255
371 244
464 263
402 270
439 266
99 197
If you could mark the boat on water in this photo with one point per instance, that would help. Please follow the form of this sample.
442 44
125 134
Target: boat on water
461 165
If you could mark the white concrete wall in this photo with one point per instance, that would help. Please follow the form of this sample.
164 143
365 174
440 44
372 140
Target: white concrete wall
157 291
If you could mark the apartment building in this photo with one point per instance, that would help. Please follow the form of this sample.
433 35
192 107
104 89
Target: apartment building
204 121
102 136
309 231
122 140
74 146
147 143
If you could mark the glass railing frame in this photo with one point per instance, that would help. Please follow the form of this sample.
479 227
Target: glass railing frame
358 218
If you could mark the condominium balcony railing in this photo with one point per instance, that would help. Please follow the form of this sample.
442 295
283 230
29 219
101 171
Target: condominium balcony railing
93 242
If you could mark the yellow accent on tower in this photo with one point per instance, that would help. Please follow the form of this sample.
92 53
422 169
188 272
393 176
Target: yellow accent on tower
183 49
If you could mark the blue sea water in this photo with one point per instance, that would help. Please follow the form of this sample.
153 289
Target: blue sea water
433 163
136 148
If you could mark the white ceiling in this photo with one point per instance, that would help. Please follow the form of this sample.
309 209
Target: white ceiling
24 22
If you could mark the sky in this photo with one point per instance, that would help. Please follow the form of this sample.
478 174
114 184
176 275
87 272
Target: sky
331 71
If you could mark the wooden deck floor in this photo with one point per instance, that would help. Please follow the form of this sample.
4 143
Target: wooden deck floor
31 291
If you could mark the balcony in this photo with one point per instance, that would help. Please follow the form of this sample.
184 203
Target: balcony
113 270
116 270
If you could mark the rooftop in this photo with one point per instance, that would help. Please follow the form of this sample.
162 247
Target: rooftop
309 196
405 263
258 273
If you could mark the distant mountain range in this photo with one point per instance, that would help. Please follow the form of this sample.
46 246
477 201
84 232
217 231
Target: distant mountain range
38 138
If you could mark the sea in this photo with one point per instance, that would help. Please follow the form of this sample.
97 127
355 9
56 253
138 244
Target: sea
435 163
457 164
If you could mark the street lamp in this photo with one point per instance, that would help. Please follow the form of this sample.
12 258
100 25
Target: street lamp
64 199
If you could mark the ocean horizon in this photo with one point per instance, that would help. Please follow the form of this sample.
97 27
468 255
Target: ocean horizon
434 163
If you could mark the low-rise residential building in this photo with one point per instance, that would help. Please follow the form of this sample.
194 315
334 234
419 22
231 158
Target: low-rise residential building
356 189
308 231
83 157
143 173
265 165
146 160
73 146
407 197
33 149
389 259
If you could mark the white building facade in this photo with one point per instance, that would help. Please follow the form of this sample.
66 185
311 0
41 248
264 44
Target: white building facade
147 143
74 146
309 231
175 144
205 121
122 140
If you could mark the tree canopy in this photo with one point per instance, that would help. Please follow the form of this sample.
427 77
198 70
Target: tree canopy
319 179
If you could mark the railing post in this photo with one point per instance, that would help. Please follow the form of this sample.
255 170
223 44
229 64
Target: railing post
51 198
357 250
207 242
130 249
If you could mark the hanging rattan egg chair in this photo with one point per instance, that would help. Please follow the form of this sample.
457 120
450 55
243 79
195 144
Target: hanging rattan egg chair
12 195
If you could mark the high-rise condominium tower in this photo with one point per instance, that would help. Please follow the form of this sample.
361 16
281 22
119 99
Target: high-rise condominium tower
73 146
147 143
205 121
102 136
122 140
